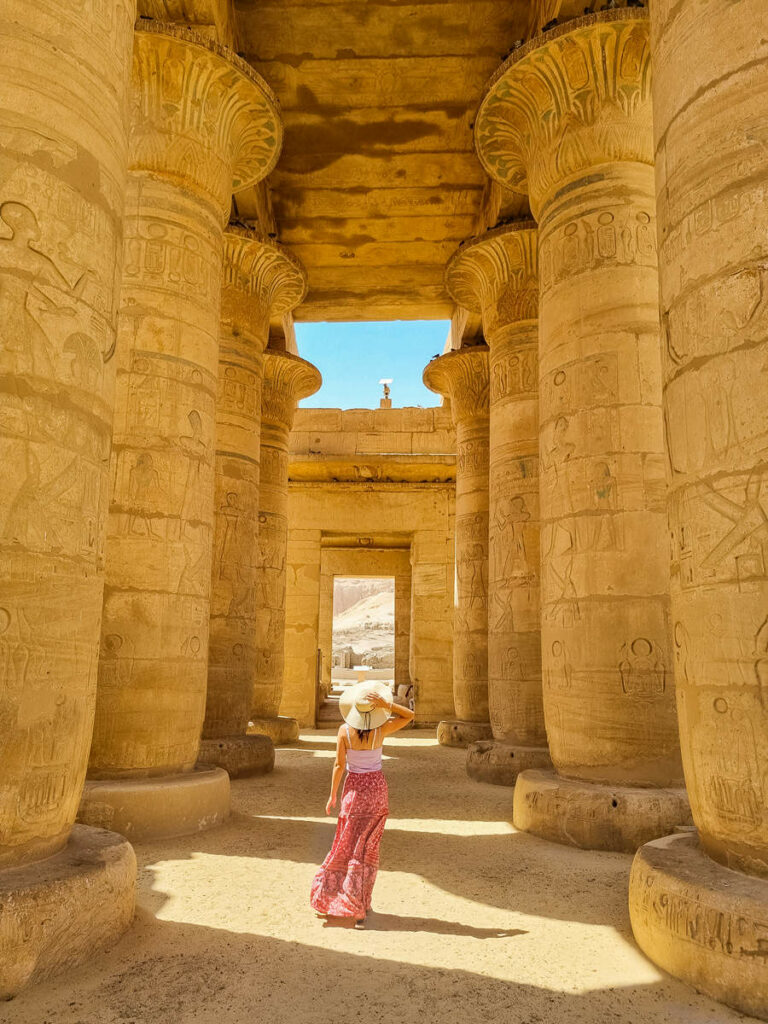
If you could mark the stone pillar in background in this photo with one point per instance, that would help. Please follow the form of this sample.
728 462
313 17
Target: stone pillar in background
203 124
462 378
496 275
287 379
402 630
569 119
260 280
710 116
64 73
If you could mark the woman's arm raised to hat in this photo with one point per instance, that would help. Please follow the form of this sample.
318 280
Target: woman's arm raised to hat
338 769
404 716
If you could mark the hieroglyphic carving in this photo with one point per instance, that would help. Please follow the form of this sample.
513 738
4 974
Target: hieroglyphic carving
203 124
259 279
569 101
62 188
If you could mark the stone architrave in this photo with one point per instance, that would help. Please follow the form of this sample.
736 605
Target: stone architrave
568 118
496 275
260 280
287 379
203 124
462 378
699 903
64 892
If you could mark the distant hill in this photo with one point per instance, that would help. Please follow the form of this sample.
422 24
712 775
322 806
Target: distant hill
364 619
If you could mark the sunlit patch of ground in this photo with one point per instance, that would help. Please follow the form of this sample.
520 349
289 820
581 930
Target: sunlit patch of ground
473 921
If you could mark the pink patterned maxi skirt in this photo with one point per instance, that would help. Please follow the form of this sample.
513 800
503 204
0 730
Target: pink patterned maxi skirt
344 884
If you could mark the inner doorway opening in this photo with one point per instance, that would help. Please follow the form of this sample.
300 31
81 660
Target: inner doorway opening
363 630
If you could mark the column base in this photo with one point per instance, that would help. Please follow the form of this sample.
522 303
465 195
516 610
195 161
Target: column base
702 922
158 808
280 730
455 733
594 816
62 911
500 763
239 755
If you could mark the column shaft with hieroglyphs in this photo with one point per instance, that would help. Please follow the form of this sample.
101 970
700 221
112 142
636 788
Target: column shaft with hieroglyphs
699 903
287 379
496 275
203 124
568 118
260 280
64 76
462 378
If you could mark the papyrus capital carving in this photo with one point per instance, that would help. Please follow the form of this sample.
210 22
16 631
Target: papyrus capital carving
496 274
568 102
260 279
461 376
287 379
201 116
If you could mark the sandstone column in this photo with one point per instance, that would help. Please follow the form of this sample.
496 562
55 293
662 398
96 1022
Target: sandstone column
260 280
462 377
203 124
287 379
568 118
65 892
496 275
699 904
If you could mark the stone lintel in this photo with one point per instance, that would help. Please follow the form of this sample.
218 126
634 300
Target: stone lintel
567 102
462 377
202 117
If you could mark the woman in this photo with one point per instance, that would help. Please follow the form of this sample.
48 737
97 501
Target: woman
343 886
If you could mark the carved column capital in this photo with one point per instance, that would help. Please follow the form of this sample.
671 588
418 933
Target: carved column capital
496 274
260 279
202 117
462 377
287 379
568 102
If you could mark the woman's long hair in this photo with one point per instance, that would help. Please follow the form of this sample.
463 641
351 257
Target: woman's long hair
363 734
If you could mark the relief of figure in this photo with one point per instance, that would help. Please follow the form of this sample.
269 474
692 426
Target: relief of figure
116 662
732 774
555 458
750 519
642 670
227 556
25 271
195 504
86 364
558 671
562 598
195 576
720 421
509 521
761 661
31 518
144 496
512 664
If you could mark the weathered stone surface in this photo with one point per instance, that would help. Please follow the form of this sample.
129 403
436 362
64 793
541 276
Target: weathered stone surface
595 817
701 921
586 161
60 912
281 730
260 280
204 127
496 274
240 755
456 733
500 763
63 162
158 808
698 920
462 378
287 378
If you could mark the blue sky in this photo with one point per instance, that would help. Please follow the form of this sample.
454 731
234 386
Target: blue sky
353 357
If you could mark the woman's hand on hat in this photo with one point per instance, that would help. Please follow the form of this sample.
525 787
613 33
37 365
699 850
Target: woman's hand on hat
378 701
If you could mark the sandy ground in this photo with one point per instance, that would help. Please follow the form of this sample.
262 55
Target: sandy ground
474 921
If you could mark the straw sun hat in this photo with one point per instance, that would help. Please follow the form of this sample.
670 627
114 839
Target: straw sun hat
356 709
